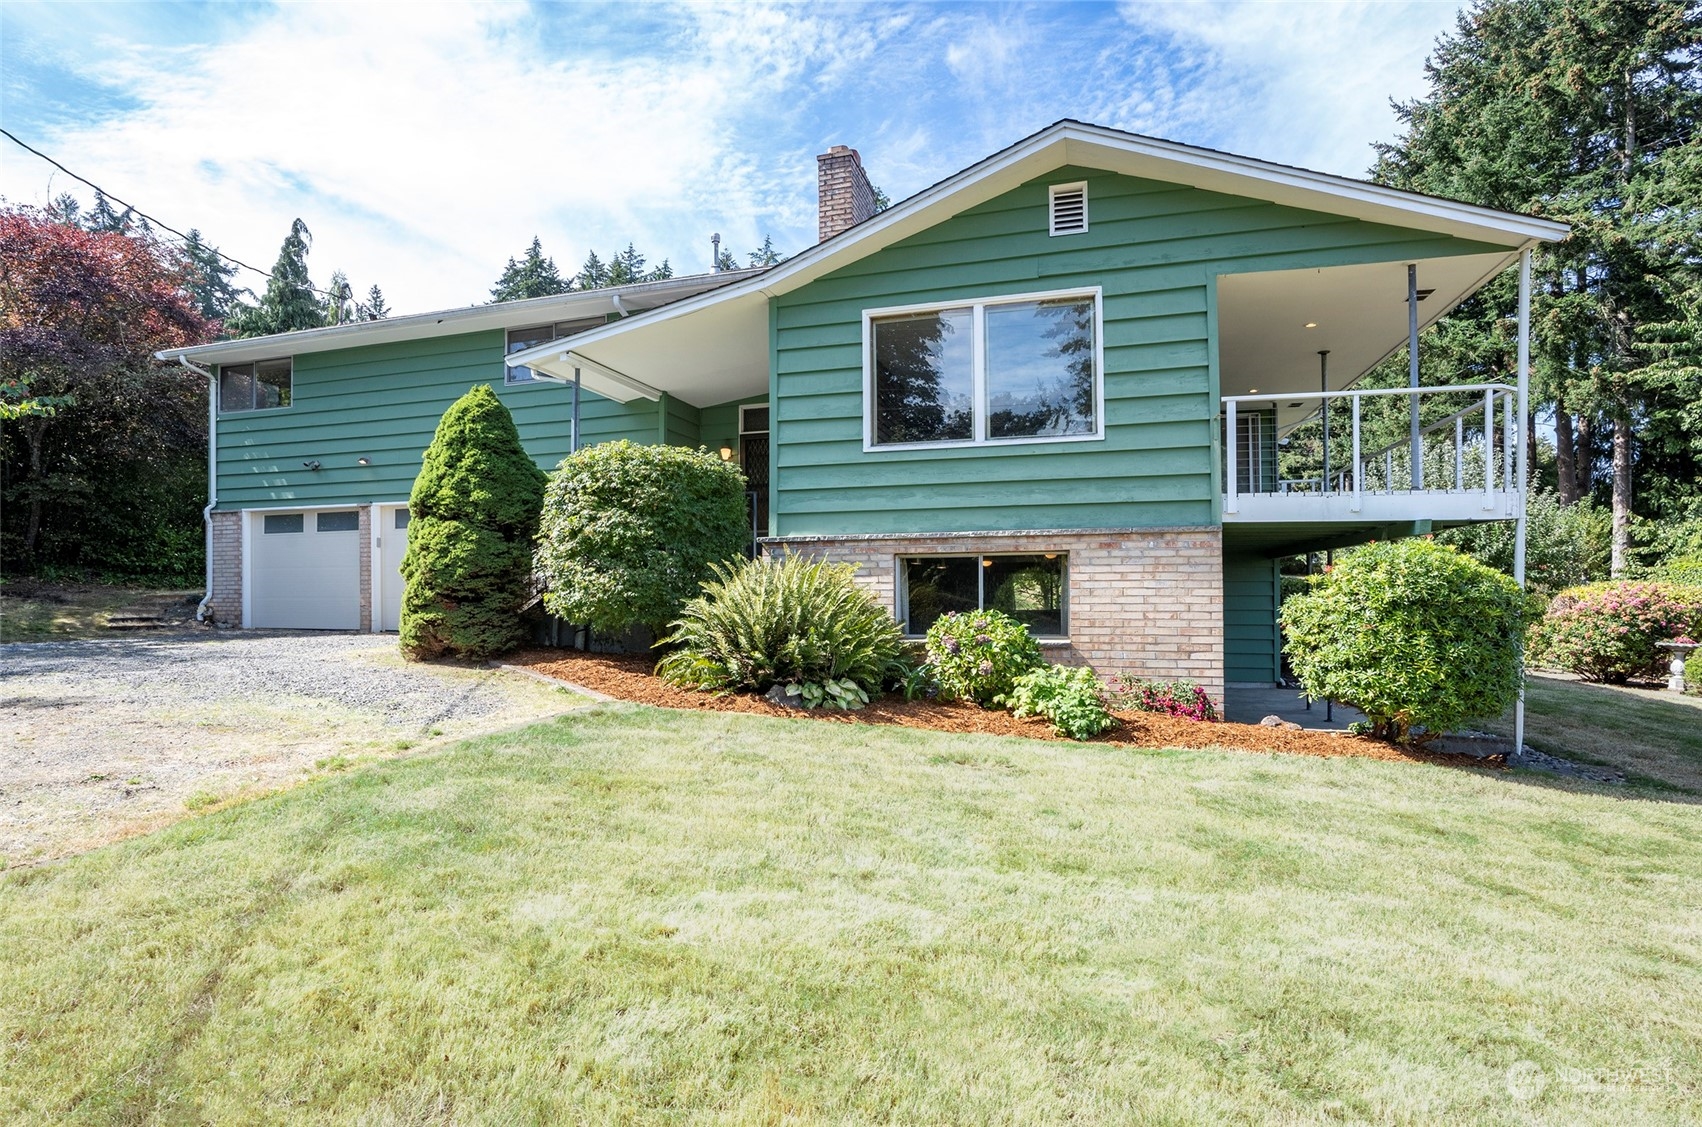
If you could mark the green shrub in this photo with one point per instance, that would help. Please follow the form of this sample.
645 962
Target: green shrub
791 621
473 516
1069 696
630 532
1683 570
979 655
1171 698
1607 631
1415 634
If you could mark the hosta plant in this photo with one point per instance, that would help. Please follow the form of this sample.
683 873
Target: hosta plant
1071 697
979 655
789 621
842 693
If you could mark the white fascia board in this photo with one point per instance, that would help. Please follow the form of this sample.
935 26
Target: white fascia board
447 322
1076 143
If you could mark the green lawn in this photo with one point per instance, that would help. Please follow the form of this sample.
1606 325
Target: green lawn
1654 737
637 915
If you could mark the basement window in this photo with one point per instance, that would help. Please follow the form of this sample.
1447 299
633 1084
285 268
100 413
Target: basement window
1030 588
1068 208
254 387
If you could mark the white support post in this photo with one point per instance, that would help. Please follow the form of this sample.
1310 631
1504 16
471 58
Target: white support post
1358 471
1521 470
1388 471
1460 453
1507 432
1489 449
1231 502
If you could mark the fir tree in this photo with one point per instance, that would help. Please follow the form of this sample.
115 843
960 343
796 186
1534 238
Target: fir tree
535 276
374 307
626 267
339 302
211 279
766 255
593 275
474 516
65 209
103 217
290 301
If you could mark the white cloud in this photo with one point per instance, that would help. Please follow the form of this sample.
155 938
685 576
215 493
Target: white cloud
425 144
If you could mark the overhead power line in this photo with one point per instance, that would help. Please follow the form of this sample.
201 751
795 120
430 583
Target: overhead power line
151 219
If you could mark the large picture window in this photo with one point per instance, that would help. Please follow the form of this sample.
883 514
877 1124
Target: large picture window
1029 588
1018 369
254 387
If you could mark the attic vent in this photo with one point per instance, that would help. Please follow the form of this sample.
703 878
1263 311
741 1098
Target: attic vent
1069 209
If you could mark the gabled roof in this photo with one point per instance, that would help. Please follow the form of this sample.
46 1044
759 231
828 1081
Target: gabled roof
729 357
571 306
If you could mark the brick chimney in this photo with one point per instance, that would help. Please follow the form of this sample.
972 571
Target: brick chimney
846 197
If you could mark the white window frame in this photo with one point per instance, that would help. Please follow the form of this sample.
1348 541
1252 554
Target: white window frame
508 379
902 610
1052 208
763 406
978 369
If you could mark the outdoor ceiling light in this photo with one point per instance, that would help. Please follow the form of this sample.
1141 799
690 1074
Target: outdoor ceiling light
1252 391
1311 324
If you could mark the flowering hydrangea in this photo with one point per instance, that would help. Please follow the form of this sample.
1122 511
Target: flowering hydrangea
979 656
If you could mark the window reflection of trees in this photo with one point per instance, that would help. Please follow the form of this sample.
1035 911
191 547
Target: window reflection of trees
1063 404
914 401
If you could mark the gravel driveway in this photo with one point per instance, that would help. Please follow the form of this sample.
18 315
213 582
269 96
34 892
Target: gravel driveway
102 739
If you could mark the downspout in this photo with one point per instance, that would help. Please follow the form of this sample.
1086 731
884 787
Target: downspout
212 478
619 308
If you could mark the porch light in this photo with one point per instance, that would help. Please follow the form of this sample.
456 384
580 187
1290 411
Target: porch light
1252 391
986 563
726 453
363 460
1311 324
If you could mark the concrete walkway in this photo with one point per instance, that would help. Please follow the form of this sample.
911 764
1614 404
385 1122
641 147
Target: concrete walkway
1249 706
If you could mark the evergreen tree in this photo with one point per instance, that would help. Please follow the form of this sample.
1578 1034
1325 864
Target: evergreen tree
473 519
724 260
593 275
374 307
104 218
536 276
766 255
65 209
210 279
1586 111
626 267
290 301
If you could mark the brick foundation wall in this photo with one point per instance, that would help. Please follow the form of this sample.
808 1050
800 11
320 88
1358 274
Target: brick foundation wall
226 607
1141 601
365 568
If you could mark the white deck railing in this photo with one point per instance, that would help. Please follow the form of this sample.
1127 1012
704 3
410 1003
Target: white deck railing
1463 467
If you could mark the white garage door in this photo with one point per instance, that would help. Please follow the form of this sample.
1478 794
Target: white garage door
306 570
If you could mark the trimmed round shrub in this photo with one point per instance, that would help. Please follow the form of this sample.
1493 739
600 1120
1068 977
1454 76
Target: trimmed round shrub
473 515
789 621
630 532
1415 634
1607 631
1071 697
978 655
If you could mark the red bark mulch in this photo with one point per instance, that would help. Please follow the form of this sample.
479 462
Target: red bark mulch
629 677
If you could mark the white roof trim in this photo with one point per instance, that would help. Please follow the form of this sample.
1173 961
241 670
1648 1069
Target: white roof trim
444 322
1076 143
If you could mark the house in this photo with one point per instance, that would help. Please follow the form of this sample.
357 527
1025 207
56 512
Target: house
1054 383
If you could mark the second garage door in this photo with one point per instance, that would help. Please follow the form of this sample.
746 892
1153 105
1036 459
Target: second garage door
306 570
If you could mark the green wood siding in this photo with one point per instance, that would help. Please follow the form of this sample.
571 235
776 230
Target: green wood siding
719 425
384 402
1156 249
1252 647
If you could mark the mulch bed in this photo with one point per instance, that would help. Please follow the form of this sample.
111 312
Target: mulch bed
629 677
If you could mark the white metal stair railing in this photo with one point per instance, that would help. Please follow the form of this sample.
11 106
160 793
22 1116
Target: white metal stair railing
1470 450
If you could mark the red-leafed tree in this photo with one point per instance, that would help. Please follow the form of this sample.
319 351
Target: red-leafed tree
102 445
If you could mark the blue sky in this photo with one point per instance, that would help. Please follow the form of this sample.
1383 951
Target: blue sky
424 143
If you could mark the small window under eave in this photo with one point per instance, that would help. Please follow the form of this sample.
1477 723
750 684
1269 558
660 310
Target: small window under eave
1068 208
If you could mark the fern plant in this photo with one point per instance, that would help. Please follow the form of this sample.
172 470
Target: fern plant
791 621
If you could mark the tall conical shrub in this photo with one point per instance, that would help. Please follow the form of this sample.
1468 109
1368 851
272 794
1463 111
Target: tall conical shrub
473 517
